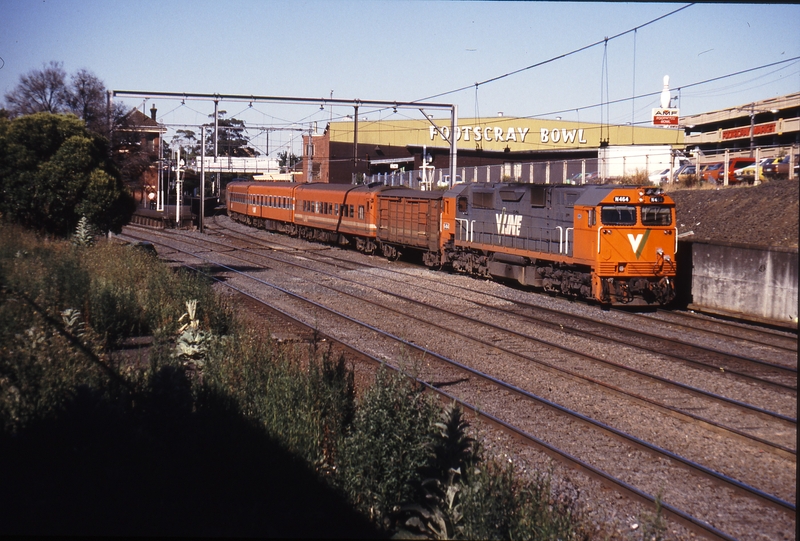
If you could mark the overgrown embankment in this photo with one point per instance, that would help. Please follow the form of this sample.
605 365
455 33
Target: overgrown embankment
212 429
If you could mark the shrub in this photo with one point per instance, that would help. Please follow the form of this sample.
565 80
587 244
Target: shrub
386 447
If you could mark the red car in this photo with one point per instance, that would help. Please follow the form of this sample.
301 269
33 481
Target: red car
715 173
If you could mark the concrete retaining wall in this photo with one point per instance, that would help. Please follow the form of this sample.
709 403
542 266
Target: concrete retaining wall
750 282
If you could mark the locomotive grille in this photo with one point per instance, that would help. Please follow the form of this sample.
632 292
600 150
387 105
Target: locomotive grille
631 269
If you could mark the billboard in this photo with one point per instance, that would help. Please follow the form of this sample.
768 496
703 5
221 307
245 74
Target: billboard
665 117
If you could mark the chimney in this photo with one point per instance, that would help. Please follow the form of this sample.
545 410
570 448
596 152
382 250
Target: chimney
153 111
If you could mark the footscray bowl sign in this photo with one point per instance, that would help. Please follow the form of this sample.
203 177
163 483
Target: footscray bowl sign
510 134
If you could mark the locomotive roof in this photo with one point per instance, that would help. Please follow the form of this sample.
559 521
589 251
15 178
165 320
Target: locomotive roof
588 194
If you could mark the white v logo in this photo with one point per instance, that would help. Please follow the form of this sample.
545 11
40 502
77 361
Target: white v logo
635 241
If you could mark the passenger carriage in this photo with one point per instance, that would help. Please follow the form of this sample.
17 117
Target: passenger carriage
342 214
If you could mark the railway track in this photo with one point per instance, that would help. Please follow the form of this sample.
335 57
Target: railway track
677 403
548 322
546 407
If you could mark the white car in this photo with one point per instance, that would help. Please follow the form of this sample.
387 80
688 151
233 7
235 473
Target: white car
660 177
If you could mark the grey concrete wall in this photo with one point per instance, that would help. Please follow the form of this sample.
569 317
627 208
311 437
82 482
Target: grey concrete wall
752 282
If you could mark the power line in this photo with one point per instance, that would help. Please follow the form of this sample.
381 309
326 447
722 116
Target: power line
678 88
559 57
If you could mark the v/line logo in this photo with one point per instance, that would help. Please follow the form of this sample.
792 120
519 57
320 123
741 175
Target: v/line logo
508 225
638 242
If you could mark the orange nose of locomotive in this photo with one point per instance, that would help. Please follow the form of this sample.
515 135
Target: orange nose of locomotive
637 242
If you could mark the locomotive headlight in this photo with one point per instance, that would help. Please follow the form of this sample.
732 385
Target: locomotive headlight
660 252
621 267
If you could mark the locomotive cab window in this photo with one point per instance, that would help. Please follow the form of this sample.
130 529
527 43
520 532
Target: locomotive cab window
618 215
462 204
656 215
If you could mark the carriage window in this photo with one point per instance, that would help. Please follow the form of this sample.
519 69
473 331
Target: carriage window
360 212
656 215
618 215
352 213
336 209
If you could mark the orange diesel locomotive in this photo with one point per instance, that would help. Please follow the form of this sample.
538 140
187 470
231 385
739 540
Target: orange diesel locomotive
612 244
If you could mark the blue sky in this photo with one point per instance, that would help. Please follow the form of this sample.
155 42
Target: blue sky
409 50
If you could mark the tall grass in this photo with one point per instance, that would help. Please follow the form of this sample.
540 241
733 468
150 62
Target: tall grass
64 308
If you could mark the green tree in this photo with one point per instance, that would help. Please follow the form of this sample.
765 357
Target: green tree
287 160
53 170
231 140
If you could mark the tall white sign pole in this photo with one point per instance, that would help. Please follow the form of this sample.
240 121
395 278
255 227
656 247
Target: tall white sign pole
178 188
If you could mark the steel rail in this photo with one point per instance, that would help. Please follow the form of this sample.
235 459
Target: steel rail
691 522
777 367
738 486
688 388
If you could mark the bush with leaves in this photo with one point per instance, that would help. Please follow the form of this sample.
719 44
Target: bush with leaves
386 446
437 513
53 170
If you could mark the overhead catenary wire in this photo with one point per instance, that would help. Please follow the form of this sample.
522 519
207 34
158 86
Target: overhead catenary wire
559 57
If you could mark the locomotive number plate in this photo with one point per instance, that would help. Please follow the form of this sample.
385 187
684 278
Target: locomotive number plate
622 199
656 199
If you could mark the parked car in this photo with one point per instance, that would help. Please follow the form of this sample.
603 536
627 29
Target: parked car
717 176
592 177
659 177
748 173
686 173
680 170
779 168
712 171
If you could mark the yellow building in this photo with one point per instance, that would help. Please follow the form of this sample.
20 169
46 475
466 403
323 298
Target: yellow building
367 147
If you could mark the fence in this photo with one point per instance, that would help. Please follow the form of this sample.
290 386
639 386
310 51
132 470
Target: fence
656 164
550 172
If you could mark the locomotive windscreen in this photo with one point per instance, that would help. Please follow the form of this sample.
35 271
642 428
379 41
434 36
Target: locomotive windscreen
618 215
656 215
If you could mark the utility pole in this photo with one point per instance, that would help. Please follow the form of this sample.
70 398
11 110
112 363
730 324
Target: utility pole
178 188
453 151
201 213
309 154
